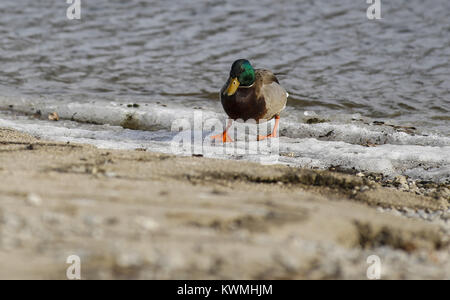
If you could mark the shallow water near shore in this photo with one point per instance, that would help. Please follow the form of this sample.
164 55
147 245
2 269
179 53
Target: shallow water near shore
369 96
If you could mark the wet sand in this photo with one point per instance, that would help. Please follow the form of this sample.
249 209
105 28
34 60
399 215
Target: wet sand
142 215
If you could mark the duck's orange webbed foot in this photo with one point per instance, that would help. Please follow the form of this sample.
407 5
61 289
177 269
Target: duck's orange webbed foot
274 131
263 137
224 137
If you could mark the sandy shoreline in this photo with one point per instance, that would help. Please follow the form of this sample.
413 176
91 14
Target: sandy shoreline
136 214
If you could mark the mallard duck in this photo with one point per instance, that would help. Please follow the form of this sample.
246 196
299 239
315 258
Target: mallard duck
251 94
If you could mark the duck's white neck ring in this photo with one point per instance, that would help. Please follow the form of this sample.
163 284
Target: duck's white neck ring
246 87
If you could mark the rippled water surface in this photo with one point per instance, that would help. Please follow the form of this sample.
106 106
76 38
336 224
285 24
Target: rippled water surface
328 55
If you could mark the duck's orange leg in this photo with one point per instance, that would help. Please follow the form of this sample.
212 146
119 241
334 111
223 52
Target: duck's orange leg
274 131
224 136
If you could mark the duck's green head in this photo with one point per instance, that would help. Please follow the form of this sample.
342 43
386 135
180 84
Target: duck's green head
241 74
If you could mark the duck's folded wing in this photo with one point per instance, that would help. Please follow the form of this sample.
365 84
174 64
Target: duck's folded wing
275 97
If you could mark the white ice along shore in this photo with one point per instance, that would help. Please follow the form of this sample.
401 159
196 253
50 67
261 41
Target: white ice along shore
348 145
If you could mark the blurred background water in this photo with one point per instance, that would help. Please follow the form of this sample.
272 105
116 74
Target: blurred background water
328 55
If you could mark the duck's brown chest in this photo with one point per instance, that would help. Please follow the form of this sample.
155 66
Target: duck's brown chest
244 104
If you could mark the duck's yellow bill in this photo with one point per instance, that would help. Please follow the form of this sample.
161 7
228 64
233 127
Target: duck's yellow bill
233 86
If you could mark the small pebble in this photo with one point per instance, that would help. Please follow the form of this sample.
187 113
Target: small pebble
147 223
53 116
34 199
